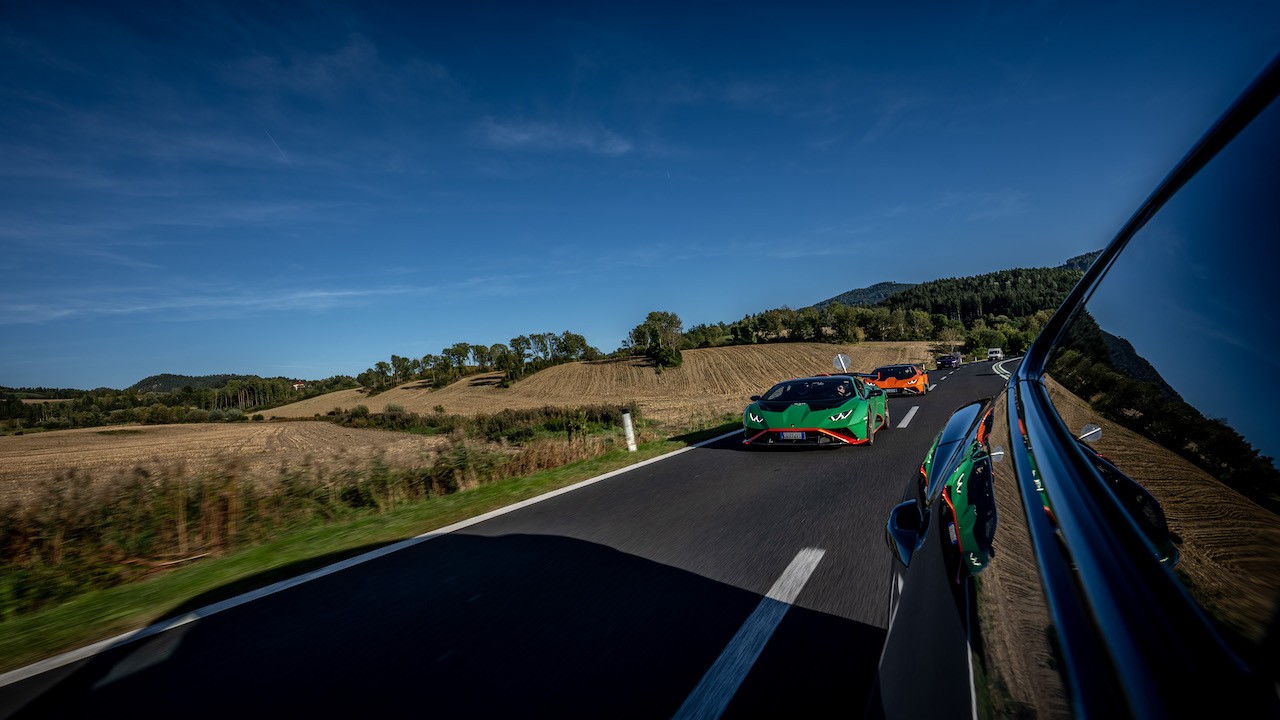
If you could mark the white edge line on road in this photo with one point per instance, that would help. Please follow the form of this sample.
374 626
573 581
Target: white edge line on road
999 368
89 651
716 688
906 419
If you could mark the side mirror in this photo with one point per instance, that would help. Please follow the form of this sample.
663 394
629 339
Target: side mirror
755 398
905 530
1090 433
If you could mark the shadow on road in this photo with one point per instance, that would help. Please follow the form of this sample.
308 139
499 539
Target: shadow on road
515 625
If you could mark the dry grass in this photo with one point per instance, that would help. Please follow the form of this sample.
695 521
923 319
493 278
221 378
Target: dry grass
27 461
710 383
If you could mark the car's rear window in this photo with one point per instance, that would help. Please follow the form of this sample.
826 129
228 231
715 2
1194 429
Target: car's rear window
898 372
811 389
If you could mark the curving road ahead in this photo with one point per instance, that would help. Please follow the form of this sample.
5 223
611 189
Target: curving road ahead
753 582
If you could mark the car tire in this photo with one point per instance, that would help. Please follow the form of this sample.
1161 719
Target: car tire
871 435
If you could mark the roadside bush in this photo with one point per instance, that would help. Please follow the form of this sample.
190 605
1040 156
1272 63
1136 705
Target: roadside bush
667 357
258 417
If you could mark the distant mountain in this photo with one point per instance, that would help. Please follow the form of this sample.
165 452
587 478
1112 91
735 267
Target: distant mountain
1126 359
166 382
873 295
1016 292
1080 262
1013 293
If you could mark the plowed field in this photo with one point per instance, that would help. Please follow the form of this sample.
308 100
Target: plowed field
711 382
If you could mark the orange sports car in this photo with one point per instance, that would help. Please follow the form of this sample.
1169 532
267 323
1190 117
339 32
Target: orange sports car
900 379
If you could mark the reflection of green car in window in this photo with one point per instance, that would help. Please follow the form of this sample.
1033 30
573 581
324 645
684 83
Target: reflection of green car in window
969 507
820 410
970 512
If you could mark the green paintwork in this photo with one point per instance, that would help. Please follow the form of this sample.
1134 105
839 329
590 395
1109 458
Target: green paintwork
788 407
968 490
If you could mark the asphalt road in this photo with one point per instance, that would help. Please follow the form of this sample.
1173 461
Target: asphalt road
614 600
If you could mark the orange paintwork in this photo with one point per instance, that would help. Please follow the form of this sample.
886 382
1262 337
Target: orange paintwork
910 379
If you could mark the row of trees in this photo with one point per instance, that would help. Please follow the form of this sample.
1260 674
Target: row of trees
523 355
104 406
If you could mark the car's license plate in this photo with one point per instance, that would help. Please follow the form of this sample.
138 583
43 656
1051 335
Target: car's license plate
792 436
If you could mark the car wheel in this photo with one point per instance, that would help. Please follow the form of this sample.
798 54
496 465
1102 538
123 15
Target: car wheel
886 416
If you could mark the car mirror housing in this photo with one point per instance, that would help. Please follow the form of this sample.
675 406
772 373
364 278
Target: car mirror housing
904 531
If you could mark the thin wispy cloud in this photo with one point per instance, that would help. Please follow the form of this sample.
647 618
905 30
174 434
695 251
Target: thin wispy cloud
887 119
974 205
179 307
315 73
595 140
356 66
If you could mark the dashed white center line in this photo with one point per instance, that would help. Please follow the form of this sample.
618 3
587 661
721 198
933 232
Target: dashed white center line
935 385
713 693
906 419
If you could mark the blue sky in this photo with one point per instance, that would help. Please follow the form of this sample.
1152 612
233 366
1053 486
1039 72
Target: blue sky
305 190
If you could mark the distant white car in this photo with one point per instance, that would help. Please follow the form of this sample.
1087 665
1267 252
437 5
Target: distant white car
995 354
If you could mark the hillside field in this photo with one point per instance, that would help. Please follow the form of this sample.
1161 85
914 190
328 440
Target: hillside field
711 382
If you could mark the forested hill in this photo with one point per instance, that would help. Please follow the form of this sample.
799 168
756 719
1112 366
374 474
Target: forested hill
1013 293
166 382
1081 262
873 295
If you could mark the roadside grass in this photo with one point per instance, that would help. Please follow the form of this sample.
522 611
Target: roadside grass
101 614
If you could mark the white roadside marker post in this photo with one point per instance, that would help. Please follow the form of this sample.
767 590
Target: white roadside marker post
628 431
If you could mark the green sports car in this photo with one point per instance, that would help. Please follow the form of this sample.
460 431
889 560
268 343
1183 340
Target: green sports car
820 410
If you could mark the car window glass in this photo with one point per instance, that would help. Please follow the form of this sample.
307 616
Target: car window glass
1174 359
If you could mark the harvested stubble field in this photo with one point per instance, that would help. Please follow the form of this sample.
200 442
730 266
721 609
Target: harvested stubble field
710 383
260 450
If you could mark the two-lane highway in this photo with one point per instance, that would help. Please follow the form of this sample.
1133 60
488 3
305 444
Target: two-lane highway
752 581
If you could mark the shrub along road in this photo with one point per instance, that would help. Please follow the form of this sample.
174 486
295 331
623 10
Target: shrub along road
614 600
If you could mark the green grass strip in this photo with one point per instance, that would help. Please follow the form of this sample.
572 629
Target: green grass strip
101 614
